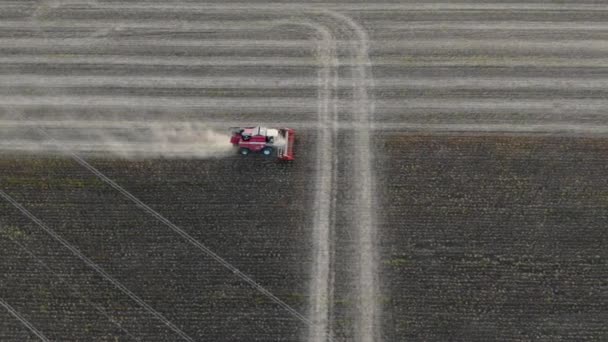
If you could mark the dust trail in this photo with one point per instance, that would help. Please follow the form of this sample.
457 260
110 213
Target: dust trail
170 140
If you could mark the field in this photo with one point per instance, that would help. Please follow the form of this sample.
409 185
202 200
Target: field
449 181
482 237
495 238
253 213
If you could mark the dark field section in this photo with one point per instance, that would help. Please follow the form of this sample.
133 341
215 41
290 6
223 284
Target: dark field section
13 327
253 212
490 238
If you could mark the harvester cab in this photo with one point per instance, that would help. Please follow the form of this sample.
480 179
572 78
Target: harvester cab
267 141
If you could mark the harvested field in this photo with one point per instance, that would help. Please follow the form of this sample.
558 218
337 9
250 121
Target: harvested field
495 238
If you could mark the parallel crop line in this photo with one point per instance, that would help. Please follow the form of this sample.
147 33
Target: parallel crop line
379 46
86 43
341 6
156 60
404 61
553 106
377 126
156 101
122 26
506 25
247 82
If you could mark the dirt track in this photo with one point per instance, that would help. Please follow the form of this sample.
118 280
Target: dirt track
340 73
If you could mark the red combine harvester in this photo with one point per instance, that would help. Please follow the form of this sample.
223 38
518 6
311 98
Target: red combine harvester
267 141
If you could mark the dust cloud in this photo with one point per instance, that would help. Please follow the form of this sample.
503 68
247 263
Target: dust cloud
159 140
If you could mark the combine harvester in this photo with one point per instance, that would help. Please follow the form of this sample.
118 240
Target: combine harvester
267 141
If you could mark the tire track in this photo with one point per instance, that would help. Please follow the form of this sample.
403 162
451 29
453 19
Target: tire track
97 268
24 321
367 319
73 289
321 292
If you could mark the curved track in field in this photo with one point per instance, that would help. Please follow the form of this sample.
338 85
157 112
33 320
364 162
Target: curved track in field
325 189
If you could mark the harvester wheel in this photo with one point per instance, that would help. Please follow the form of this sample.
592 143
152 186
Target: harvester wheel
244 151
267 151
